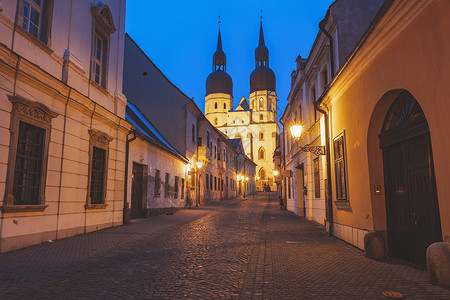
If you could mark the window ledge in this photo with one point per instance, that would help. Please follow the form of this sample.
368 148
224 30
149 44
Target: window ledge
22 208
99 87
95 206
342 204
34 40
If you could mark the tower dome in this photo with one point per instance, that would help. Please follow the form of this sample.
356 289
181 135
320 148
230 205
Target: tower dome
219 81
262 78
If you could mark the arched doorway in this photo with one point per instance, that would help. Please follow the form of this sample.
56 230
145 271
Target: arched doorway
412 210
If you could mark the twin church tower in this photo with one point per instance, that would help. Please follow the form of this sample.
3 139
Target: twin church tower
253 121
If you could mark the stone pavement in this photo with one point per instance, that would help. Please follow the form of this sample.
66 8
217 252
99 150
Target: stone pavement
235 249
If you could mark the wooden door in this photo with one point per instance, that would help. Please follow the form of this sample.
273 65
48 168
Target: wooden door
137 191
412 210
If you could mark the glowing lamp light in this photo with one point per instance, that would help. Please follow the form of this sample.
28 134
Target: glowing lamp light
258 178
275 173
199 164
296 131
188 167
246 178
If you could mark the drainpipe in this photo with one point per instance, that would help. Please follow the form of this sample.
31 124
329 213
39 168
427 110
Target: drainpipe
328 157
126 218
330 38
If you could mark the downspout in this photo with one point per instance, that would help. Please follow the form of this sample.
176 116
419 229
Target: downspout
62 162
330 38
328 195
125 188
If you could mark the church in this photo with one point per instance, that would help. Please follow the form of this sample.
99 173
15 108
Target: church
254 121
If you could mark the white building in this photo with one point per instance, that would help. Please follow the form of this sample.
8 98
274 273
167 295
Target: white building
254 121
63 128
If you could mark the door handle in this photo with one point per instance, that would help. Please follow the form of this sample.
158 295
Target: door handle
414 218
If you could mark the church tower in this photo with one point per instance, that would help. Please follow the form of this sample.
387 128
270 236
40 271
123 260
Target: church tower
219 89
262 98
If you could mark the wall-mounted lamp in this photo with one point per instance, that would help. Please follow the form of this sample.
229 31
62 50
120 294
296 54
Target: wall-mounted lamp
296 132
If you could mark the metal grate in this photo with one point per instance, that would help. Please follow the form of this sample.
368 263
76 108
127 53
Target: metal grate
97 175
28 168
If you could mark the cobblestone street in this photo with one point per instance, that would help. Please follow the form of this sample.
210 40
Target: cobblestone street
241 248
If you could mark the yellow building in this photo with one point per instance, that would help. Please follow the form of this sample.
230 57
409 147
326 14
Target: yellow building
254 121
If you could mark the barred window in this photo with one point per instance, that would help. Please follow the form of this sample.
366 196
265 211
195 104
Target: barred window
27 173
166 185
157 183
182 188
339 168
316 178
176 188
98 168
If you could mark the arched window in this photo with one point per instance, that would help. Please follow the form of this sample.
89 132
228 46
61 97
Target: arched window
261 117
215 121
262 174
238 136
224 106
253 104
261 136
261 153
215 105
261 103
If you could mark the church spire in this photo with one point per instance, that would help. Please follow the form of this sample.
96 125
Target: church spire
261 34
219 40
219 57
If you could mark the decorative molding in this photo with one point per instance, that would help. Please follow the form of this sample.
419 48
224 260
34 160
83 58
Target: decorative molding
100 137
33 109
103 15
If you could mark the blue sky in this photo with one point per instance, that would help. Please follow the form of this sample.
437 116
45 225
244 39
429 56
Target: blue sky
180 37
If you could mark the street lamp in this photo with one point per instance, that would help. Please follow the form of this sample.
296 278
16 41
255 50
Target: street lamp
275 173
296 132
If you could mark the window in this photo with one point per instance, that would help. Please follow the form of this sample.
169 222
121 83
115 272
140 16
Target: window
166 186
262 174
216 121
157 183
261 103
199 141
207 139
28 166
104 27
193 133
261 136
215 151
176 188
182 188
226 181
215 183
261 117
289 187
261 153
316 178
224 106
98 168
215 105
210 182
207 181
339 168
238 136
28 154
34 17
221 184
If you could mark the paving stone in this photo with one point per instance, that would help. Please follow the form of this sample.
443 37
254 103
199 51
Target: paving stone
235 249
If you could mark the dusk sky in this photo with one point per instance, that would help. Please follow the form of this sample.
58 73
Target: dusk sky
180 37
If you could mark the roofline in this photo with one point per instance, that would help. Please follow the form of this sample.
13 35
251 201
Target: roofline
190 99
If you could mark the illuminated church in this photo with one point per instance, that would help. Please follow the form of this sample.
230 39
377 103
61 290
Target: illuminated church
255 119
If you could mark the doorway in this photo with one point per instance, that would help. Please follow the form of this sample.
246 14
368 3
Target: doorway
137 191
301 209
412 210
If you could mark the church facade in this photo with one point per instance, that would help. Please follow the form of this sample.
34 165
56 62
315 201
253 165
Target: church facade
254 121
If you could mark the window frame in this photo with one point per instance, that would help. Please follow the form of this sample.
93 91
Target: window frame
175 194
157 183
316 176
45 23
341 180
166 186
39 115
101 140
103 27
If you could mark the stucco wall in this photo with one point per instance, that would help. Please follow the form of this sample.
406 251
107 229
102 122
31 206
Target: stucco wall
415 58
